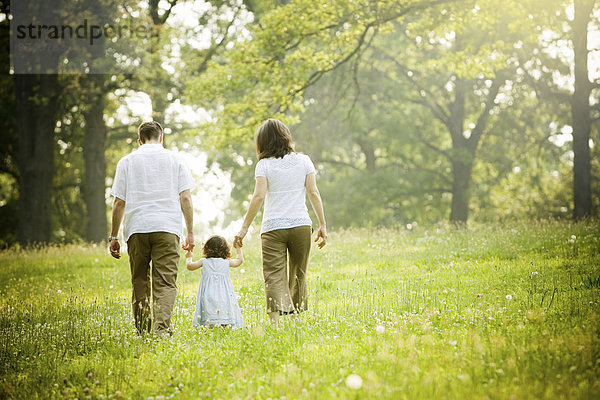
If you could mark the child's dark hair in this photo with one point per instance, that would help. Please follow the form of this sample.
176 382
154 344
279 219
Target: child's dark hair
216 247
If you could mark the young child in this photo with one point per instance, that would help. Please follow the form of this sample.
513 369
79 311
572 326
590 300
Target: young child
217 303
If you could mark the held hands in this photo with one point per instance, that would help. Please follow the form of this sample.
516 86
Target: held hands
115 248
321 233
188 260
188 244
238 239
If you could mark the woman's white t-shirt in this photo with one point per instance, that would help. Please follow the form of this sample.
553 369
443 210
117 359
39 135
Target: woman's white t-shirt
285 202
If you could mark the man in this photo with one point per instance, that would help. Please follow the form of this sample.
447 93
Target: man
152 190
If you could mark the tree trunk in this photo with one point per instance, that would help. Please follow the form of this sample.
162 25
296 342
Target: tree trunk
37 107
461 179
580 113
95 163
461 160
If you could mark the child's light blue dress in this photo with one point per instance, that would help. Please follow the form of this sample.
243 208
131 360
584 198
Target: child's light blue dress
217 302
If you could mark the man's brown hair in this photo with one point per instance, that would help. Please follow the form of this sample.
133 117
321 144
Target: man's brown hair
273 139
149 131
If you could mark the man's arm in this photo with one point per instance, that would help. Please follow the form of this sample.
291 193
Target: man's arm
185 199
117 217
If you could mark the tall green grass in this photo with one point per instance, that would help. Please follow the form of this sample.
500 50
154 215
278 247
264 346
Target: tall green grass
498 312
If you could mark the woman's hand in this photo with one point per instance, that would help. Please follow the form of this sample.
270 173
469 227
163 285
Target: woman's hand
321 233
238 239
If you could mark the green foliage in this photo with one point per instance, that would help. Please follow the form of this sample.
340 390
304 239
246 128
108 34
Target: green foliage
379 123
291 48
488 311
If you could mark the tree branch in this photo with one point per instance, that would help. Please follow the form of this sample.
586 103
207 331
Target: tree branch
213 49
434 106
485 114
315 76
435 148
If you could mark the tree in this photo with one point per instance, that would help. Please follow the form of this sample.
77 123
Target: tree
547 69
291 48
9 171
581 110
449 74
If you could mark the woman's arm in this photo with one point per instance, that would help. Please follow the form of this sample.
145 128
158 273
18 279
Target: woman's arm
315 201
239 258
260 191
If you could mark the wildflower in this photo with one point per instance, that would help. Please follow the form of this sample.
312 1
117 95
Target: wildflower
379 329
508 297
354 381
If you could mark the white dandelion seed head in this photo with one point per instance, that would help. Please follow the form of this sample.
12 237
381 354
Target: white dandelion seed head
508 297
380 329
354 381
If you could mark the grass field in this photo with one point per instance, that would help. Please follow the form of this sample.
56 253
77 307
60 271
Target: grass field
507 312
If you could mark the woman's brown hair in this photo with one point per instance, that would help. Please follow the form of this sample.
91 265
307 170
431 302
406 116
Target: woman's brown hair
216 247
273 139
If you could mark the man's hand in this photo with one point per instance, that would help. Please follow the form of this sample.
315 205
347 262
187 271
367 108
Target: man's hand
322 233
189 242
115 248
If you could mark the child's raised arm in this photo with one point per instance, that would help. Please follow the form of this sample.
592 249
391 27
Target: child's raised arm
190 264
239 257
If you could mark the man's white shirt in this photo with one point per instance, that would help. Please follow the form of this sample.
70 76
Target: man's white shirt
150 180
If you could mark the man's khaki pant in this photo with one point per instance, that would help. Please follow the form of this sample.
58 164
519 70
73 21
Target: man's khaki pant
163 250
286 289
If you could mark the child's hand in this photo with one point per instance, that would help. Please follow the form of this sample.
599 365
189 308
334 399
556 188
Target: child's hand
188 254
237 244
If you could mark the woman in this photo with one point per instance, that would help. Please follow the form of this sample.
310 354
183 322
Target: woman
283 178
